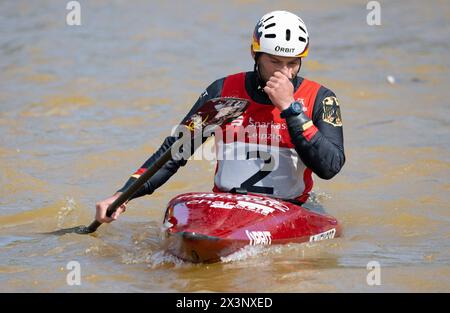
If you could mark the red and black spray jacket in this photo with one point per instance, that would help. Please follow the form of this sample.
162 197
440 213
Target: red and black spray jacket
279 160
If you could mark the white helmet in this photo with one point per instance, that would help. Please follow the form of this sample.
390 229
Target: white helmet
281 33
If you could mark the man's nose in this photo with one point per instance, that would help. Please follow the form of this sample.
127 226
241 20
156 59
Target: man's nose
287 71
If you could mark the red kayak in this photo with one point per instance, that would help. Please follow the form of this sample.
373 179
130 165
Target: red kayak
204 227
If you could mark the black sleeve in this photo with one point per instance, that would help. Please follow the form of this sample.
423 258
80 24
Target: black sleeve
171 167
324 152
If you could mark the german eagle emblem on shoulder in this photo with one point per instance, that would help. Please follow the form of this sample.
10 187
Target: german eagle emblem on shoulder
331 111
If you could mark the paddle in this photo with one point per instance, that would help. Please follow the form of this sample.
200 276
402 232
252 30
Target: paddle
216 111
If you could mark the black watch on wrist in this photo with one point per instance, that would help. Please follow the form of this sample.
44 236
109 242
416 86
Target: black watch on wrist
294 109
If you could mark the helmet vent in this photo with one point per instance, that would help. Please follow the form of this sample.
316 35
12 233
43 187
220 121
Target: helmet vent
302 39
268 19
269 26
288 34
302 29
270 35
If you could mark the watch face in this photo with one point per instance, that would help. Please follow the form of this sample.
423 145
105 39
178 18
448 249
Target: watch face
297 107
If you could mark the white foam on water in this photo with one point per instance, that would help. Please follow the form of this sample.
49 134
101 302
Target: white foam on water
154 259
244 253
160 258
317 197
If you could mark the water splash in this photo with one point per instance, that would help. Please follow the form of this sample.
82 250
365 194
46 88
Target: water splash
318 197
65 212
148 247
92 250
153 259
161 258
244 253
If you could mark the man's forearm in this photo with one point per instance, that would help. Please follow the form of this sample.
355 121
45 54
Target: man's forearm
161 176
316 151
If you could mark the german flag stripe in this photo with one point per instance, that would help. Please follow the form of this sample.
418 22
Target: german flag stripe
139 172
310 132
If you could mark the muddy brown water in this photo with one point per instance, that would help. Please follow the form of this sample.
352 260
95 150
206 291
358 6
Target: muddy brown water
82 107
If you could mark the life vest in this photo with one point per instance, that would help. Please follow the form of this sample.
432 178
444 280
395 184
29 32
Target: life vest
255 152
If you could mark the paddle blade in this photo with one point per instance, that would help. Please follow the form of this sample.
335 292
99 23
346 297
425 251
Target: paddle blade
217 111
82 230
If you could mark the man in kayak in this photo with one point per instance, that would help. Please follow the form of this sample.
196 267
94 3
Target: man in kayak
304 115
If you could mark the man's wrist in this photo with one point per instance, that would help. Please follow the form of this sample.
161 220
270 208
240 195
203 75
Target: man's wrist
295 108
286 105
301 121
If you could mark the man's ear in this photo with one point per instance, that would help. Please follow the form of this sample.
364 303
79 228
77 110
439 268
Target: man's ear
252 52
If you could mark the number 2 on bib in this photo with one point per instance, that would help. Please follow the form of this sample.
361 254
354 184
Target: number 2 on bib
268 166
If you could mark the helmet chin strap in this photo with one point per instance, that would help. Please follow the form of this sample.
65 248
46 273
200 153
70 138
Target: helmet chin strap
261 83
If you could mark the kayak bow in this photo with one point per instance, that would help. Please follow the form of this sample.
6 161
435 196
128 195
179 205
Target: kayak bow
204 227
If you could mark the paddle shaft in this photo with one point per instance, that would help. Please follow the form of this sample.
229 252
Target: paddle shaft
218 119
127 194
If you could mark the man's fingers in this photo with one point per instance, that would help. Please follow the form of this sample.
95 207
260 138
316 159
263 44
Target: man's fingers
271 84
279 77
268 90
283 74
116 214
101 209
107 220
104 219
119 211
279 73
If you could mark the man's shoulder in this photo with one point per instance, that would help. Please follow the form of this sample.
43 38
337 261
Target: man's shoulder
216 86
221 80
235 75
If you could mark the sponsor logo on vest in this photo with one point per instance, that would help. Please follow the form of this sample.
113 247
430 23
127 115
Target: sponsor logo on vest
322 236
273 137
259 237
267 124
282 49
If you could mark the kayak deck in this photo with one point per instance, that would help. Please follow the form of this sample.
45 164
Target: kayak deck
204 227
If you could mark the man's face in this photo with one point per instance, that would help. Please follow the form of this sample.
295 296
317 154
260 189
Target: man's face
268 64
